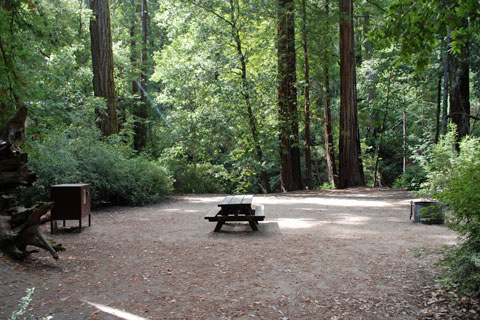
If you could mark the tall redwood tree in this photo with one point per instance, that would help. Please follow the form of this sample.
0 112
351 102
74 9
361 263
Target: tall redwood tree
350 164
327 114
290 172
308 142
102 63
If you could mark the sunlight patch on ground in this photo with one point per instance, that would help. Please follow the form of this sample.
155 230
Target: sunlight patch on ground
322 202
449 239
354 220
289 223
305 223
115 312
180 210
204 199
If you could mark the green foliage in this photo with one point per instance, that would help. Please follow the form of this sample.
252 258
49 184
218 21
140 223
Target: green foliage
78 155
463 268
413 179
454 180
198 178
439 164
21 313
326 186
406 19
199 72
368 162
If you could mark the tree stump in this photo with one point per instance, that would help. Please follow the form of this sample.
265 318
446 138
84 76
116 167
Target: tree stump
19 226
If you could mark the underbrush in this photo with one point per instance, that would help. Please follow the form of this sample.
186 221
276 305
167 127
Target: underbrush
197 178
456 183
454 180
116 175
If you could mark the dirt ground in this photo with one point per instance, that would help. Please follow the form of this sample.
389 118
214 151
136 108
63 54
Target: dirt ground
350 254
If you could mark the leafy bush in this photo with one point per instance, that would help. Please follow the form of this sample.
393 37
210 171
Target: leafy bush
112 170
441 164
413 179
454 180
197 178
460 191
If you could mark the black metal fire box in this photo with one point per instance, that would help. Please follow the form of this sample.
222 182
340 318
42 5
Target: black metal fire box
72 202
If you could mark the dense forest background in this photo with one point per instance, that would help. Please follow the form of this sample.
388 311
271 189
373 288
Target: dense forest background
141 98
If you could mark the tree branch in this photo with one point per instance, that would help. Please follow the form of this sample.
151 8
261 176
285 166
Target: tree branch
210 11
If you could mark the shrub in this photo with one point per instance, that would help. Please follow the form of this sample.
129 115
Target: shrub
197 178
454 180
80 156
460 191
413 179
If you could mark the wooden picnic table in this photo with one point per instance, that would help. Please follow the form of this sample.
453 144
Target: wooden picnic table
236 208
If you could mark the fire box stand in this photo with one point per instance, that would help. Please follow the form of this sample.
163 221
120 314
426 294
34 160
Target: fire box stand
72 202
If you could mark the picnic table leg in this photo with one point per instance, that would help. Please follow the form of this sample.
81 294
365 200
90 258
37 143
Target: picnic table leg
219 226
253 225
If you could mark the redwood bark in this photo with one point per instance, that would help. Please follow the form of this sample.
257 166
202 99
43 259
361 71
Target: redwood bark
329 151
102 63
308 159
350 164
290 173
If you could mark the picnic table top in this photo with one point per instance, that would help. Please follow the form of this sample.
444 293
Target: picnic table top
238 200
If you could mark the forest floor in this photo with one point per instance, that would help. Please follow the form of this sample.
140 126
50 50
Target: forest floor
340 254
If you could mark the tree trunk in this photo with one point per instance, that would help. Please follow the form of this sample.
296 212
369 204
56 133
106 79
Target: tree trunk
445 85
404 170
438 111
133 50
308 160
350 163
376 182
367 45
246 95
140 140
460 92
329 151
290 173
102 63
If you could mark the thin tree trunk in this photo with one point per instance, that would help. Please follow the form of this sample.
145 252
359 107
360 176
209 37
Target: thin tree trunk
290 173
404 136
350 164
460 92
308 160
140 140
329 151
246 96
439 107
367 45
133 49
445 86
102 63
379 143
317 169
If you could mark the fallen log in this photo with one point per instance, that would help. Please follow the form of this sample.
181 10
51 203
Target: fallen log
19 226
